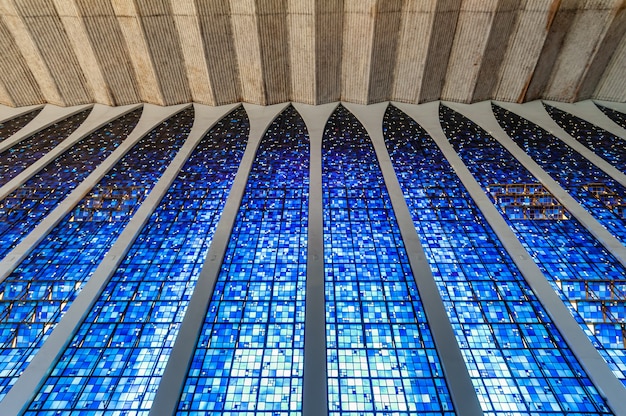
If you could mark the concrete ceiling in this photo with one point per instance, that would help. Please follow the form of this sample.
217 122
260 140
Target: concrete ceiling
165 52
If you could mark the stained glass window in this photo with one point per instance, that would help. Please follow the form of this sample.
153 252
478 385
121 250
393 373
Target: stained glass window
381 355
249 358
609 147
12 126
581 271
24 208
600 194
504 333
40 289
617 116
121 349
19 156
381 358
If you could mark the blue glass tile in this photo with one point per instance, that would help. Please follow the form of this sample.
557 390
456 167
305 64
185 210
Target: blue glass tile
12 126
504 334
70 253
24 208
249 358
379 346
18 157
609 147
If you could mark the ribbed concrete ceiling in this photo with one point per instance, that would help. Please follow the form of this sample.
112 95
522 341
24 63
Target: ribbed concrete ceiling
115 52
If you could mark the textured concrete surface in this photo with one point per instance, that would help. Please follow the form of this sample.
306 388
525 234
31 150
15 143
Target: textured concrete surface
166 52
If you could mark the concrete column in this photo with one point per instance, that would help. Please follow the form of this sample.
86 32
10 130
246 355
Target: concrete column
597 369
29 50
328 50
8 113
315 385
187 20
99 116
612 85
524 49
617 106
482 115
589 112
481 33
148 86
459 382
221 59
27 386
173 380
261 43
48 116
18 85
74 26
96 23
578 52
42 23
422 22
303 33
608 55
536 113
370 38
152 116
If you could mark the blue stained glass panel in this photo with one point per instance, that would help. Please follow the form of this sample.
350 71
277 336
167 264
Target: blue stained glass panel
249 358
19 156
609 147
380 352
40 289
600 194
505 335
569 256
122 346
24 208
12 126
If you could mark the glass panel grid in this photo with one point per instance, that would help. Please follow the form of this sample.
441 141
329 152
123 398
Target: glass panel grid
123 345
12 126
249 358
609 147
579 177
24 208
566 252
381 356
18 157
518 361
40 289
